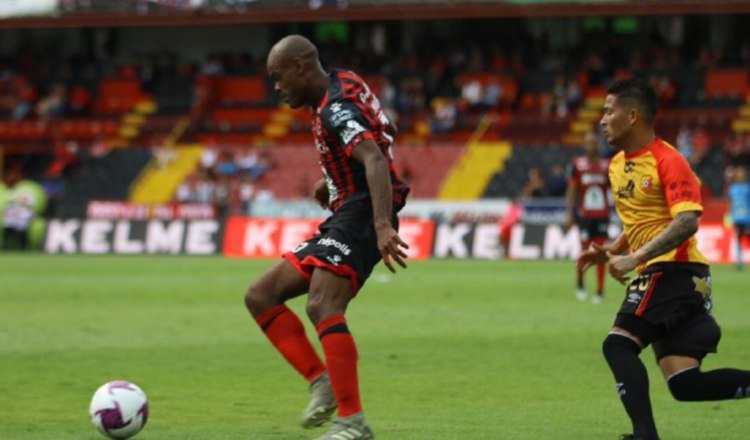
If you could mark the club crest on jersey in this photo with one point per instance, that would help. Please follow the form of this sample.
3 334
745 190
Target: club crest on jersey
647 184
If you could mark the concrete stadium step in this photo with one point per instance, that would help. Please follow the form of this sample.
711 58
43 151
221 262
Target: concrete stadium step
159 180
468 179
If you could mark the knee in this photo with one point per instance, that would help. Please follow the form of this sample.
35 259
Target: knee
322 305
316 307
615 344
681 385
257 299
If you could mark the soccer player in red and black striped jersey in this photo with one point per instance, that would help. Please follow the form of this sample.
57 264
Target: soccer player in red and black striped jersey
360 186
668 305
588 205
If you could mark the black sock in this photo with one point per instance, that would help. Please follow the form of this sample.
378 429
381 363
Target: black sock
622 353
695 386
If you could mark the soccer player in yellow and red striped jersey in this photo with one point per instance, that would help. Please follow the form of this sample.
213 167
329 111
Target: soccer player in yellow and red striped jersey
668 304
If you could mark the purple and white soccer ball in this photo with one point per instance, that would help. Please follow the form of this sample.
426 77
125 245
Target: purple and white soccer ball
119 409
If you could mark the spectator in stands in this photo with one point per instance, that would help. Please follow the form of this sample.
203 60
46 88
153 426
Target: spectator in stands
493 95
557 100
209 157
444 115
574 95
187 192
79 100
54 104
701 145
685 142
226 165
22 97
264 195
205 187
557 182
665 90
221 196
246 194
471 93
17 219
535 186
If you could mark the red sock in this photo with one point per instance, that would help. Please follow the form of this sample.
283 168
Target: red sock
287 334
600 273
341 361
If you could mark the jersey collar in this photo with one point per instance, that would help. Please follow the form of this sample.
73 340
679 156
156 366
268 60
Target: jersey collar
644 150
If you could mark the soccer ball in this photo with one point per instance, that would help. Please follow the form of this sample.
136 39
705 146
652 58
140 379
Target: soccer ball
119 409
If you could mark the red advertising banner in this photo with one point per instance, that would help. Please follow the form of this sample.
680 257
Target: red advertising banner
116 210
269 238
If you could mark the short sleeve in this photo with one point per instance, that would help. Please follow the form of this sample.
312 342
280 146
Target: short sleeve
346 123
682 188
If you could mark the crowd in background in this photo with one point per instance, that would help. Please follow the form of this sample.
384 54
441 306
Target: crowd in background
433 70
229 179
423 76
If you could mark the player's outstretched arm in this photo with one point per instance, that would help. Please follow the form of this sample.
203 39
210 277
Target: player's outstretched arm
390 245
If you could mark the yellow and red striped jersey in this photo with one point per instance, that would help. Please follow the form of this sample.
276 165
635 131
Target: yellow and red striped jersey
650 187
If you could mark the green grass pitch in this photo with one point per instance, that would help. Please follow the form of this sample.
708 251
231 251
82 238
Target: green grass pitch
448 350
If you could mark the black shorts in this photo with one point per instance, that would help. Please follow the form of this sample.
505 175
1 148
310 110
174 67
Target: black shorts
669 305
346 245
591 228
742 229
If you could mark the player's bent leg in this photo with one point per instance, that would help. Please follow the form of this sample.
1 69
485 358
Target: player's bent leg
621 350
329 297
688 384
265 301
277 285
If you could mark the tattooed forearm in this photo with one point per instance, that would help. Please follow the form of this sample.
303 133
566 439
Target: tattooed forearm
682 227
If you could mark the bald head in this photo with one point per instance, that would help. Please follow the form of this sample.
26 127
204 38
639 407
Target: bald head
291 48
298 77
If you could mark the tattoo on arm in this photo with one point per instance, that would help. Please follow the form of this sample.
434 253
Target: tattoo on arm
681 228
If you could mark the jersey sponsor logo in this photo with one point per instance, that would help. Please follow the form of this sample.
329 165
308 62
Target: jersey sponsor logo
629 165
626 192
634 298
335 107
353 128
647 184
341 117
344 248
593 179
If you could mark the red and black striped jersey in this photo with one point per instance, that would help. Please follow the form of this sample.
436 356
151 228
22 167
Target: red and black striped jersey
348 115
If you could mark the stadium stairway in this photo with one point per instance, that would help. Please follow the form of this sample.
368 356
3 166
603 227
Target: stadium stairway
159 180
468 179
741 124
585 120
